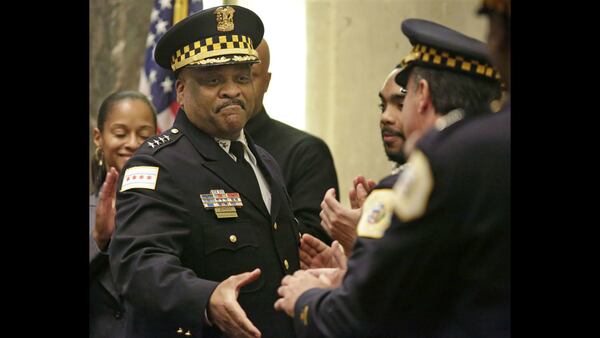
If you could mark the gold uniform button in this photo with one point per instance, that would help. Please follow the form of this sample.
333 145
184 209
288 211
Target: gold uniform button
287 265
174 130
188 333
275 226
179 330
232 238
304 315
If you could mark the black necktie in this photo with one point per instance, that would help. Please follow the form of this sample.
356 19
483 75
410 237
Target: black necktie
237 149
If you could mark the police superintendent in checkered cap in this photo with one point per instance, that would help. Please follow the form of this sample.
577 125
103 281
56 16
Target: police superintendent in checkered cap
441 268
205 230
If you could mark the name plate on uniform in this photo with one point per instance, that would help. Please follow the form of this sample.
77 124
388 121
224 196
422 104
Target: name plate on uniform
223 203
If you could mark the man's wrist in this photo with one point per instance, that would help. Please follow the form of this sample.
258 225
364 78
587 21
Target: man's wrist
100 243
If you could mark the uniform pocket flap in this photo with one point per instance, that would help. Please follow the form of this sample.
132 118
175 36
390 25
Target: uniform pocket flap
231 237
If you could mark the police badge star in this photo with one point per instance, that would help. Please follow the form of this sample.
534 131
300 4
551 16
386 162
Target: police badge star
224 19
223 203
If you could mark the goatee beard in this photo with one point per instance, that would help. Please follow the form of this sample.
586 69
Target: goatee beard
396 157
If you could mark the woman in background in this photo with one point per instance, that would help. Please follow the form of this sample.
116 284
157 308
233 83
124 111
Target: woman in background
125 120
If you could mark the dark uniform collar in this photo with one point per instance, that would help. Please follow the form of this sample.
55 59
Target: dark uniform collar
258 122
205 143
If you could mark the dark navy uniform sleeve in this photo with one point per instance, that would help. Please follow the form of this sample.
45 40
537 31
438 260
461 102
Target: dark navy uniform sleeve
384 278
151 229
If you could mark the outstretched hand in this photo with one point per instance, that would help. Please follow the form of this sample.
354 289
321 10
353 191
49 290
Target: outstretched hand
339 221
293 286
224 310
316 254
331 277
360 190
105 210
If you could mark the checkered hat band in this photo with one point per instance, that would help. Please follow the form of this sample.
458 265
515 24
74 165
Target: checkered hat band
211 47
429 55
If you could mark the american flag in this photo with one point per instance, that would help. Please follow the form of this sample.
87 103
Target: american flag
158 83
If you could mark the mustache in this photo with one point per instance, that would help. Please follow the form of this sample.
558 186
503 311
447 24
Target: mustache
231 103
389 131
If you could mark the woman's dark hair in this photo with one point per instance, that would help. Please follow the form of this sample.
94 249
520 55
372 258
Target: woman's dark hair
451 90
98 170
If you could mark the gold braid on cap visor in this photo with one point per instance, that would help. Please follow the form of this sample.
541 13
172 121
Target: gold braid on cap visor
213 50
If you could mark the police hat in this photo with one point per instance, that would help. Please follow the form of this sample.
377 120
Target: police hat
437 46
211 37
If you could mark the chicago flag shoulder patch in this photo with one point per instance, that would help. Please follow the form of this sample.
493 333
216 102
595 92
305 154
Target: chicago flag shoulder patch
140 177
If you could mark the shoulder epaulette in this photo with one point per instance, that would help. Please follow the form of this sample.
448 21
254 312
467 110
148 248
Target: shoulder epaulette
159 141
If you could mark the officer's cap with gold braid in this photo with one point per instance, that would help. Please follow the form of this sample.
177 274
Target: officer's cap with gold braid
437 46
211 37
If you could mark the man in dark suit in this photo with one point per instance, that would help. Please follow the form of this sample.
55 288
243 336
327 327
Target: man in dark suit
202 212
305 160
442 267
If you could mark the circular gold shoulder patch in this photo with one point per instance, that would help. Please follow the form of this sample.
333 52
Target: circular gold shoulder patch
377 213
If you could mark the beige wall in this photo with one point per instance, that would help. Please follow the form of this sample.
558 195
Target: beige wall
353 45
118 30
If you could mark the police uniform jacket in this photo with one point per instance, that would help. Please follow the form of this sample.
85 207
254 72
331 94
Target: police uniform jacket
106 310
306 163
169 252
387 182
445 273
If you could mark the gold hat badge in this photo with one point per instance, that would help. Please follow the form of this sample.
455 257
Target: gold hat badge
224 18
